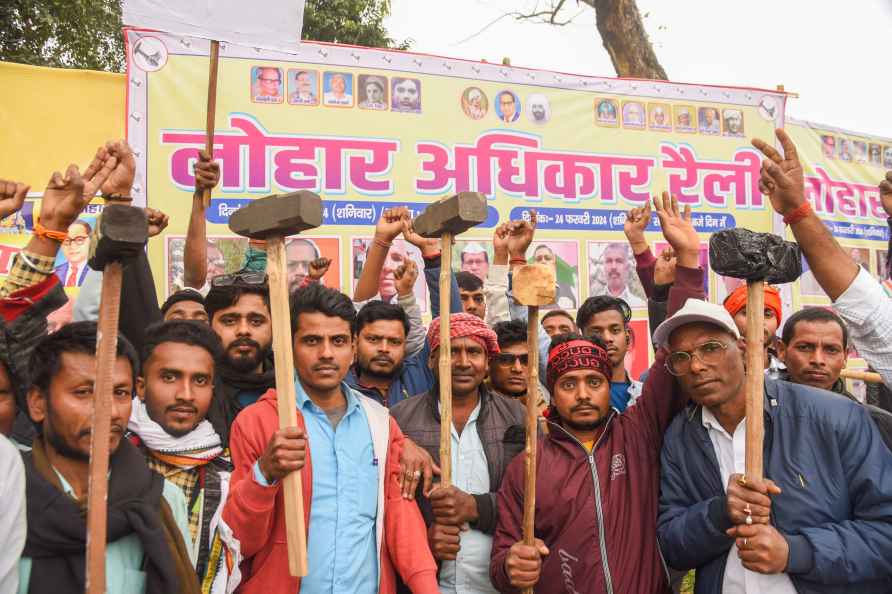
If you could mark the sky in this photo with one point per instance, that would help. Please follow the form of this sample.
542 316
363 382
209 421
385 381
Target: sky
834 55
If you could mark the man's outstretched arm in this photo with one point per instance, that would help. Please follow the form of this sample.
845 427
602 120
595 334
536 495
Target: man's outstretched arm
857 297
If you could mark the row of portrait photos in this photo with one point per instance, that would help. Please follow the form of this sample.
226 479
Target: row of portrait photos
856 151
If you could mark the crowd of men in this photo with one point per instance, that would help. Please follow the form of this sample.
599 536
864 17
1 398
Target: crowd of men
638 482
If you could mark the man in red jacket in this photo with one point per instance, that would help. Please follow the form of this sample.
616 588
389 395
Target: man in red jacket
347 448
597 476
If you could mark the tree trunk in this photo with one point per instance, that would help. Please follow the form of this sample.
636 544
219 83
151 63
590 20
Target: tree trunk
625 39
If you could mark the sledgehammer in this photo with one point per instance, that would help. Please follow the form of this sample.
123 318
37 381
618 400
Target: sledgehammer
446 219
273 218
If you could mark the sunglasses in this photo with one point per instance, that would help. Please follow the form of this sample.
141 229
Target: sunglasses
239 279
508 359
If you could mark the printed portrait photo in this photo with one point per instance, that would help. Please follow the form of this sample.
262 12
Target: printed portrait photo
633 115
708 118
405 94
71 261
845 149
563 257
860 151
266 84
538 109
507 106
659 116
226 254
474 103
399 252
606 112
881 270
684 119
611 267
337 89
828 146
887 157
303 87
373 92
875 154
732 122
472 255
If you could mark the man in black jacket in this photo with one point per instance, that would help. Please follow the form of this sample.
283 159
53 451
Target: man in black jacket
488 431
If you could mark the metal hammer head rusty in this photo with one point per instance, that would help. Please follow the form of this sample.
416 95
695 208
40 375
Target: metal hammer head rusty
741 253
534 284
278 215
120 234
454 215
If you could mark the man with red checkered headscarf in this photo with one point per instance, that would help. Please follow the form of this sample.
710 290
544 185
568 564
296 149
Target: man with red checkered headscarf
487 432
597 478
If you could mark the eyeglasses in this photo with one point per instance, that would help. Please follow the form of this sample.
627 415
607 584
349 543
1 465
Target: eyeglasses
239 279
275 80
76 240
709 353
508 359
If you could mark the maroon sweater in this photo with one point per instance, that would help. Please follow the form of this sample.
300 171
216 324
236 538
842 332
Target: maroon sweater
597 514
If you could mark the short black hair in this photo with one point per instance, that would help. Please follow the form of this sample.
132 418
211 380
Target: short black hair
376 310
76 337
813 314
467 281
222 297
182 295
555 313
562 338
511 332
83 224
188 332
601 303
329 302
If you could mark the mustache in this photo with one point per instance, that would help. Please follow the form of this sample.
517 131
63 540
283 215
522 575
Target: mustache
182 406
115 428
244 341
581 407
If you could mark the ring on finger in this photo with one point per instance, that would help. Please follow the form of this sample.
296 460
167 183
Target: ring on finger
416 474
744 542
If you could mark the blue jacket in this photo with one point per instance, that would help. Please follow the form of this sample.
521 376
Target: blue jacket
415 377
835 511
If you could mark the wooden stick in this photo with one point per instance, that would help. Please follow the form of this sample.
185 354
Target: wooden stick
859 374
445 361
97 491
755 369
212 109
286 400
529 492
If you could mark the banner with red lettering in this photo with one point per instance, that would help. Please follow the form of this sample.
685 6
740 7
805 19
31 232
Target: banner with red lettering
368 129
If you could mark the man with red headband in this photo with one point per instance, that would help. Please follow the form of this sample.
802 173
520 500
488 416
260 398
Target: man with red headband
487 433
735 304
596 482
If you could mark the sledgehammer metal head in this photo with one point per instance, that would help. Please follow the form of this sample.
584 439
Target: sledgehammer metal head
741 253
278 215
454 215
120 234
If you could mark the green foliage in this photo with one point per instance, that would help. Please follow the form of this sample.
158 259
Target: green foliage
87 33
62 33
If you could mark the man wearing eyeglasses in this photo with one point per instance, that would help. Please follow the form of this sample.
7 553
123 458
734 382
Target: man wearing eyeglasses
268 85
76 249
820 522
487 433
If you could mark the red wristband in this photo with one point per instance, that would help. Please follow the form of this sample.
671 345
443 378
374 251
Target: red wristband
797 214
520 261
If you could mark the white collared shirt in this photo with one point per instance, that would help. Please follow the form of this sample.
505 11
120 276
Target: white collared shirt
867 312
731 453
469 573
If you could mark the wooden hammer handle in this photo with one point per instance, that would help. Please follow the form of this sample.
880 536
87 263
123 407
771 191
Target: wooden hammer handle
529 492
870 377
97 491
211 114
445 361
286 400
755 387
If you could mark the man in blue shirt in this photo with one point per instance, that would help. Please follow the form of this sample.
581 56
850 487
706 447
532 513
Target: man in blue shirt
608 318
